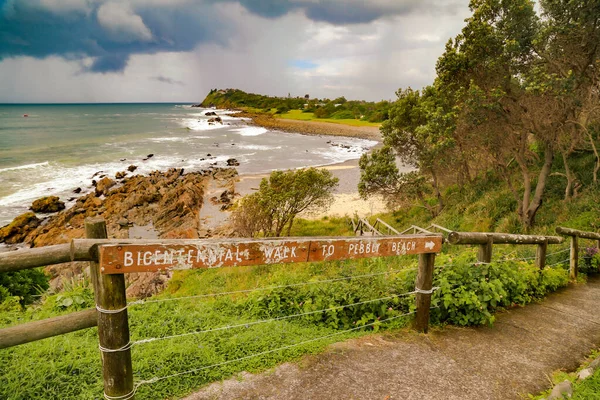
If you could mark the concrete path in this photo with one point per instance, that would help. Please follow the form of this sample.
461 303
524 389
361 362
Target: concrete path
514 357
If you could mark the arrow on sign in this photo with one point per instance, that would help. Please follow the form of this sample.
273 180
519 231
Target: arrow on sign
429 245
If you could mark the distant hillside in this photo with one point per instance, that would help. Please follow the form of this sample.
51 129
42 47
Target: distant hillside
339 108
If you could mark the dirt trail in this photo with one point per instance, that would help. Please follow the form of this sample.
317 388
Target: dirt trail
514 357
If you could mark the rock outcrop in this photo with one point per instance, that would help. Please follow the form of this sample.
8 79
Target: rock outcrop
169 201
46 205
19 228
103 185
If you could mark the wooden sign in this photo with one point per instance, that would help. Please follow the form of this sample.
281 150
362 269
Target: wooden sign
131 257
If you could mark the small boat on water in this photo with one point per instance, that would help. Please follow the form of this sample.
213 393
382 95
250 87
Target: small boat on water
25 115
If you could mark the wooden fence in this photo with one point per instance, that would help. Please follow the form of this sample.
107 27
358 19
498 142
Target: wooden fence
110 259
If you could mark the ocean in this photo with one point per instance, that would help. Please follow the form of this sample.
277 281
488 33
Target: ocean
52 149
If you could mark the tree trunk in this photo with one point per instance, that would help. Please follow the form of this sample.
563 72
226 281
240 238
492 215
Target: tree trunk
570 177
289 229
536 201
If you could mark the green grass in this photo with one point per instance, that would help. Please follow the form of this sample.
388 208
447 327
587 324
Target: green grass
326 226
302 116
588 389
68 366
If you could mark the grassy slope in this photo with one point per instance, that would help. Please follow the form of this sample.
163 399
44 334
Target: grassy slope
302 116
68 366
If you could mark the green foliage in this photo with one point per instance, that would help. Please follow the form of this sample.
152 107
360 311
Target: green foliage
470 292
337 109
25 284
280 198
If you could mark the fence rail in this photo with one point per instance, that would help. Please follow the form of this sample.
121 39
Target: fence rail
575 234
111 258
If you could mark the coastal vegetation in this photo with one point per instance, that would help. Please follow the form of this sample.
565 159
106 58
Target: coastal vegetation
516 95
280 198
302 108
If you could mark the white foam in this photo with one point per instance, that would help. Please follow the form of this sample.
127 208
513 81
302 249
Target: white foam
172 139
257 147
26 166
200 124
250 131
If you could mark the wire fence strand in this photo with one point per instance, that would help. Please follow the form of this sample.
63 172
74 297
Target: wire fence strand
300 284
157 379
264 321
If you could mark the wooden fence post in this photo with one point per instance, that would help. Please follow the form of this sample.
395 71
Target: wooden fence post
540 255
423 286
485 251
113 326
573 258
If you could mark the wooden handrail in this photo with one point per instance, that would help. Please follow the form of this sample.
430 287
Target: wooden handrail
575 232
46 328
500 238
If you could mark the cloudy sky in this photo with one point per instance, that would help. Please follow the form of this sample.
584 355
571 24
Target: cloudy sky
177 50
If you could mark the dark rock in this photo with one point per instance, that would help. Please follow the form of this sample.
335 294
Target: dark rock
123 159
150 155
97 173
209 155
211 114
94 183
131 168
215 120
77 190
120 175
19 228
49 204
232 162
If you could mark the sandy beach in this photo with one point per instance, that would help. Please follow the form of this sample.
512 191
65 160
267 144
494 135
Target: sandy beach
347 201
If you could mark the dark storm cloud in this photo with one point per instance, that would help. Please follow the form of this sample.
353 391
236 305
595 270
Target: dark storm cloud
343 12
108 35
164 79
111 31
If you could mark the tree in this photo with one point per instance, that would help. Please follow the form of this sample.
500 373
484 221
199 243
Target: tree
281 198
486 66
419 132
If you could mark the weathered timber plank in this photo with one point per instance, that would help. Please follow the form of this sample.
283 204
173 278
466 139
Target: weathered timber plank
32 258
37 330
575 232
125 258
500 238
113 325
424 283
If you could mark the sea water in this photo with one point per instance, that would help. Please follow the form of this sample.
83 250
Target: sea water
54 149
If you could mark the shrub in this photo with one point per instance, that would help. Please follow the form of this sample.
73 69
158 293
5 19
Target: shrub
471 292
24 284
280 198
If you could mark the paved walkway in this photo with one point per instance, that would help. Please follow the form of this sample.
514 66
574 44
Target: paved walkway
514 357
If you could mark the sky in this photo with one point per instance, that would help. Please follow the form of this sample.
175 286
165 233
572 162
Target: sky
177 50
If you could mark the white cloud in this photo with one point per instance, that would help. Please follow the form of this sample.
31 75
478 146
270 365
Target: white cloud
122 23
362 61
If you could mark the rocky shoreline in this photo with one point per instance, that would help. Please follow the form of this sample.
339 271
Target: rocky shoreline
167 202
